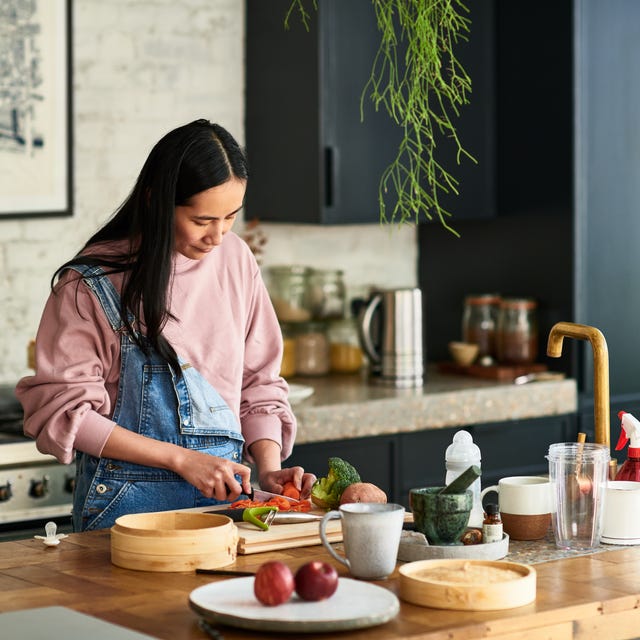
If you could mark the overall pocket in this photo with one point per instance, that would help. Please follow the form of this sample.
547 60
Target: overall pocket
209 414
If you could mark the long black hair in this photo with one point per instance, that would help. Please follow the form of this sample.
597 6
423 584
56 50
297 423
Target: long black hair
186 161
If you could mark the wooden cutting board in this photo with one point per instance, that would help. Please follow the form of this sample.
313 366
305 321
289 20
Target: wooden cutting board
284 536
493 372
281 536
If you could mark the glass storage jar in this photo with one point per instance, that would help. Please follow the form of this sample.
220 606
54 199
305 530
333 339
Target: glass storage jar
288 289
480 322
312 349
288 365
517 331
327 294
345 353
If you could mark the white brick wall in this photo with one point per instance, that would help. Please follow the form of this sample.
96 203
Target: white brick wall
142 67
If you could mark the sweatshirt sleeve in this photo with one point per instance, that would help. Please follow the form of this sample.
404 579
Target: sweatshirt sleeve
265 412
66 403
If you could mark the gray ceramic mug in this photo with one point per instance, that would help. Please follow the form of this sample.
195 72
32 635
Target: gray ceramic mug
371 534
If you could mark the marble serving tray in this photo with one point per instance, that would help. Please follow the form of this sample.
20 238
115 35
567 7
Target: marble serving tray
414 546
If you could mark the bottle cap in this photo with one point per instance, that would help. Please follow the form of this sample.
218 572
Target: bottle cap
492 508
629 432
462 449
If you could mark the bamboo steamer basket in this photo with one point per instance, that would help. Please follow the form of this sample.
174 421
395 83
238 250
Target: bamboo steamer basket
173 541
467 585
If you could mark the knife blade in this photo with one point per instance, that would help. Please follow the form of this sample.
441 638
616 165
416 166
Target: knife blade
265 496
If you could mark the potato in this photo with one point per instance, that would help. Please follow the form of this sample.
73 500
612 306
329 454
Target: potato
363 492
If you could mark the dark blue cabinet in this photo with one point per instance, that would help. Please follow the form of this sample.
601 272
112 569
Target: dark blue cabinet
397 463
569 195
312 158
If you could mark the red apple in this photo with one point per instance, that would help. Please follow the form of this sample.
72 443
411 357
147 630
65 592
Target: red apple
274 583
316 580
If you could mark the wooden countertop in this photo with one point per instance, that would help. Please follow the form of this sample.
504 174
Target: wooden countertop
583 598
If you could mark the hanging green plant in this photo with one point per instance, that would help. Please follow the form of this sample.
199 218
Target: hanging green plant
423 91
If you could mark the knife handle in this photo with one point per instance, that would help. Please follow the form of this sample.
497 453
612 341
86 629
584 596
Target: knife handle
234 514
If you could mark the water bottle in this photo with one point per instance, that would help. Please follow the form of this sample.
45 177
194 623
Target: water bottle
460 455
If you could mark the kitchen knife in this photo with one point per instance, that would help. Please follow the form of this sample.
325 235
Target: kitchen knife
265 496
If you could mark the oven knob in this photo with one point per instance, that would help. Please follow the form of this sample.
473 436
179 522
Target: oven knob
5 492
39 488
69 484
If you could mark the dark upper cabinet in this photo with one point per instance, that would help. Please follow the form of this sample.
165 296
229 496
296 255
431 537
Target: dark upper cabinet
534 106
477 122
608 189
576 151
312 158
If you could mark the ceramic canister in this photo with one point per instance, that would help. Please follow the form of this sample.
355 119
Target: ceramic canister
621 517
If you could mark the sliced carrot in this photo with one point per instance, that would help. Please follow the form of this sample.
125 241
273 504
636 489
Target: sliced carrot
282 503
303 506
291 491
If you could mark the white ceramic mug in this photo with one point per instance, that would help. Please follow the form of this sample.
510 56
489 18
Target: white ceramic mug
371 535
525 505
621 524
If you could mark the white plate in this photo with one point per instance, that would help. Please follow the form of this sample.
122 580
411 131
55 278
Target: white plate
299 392
354 605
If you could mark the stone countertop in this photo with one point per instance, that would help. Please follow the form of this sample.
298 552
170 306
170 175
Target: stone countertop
350 406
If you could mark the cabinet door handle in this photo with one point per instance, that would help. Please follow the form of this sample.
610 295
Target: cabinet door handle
330 174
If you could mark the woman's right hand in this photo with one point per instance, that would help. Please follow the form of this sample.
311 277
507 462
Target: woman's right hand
214 477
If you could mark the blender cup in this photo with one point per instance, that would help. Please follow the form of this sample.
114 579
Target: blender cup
578 474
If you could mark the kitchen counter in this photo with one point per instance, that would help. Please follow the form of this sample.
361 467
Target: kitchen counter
582 597
350 406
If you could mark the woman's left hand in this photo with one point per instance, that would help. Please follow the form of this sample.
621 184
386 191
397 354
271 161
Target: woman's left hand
274 481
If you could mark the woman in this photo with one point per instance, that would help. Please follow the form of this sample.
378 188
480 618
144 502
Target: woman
158 352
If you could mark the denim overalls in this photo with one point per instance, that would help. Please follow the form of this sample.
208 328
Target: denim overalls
153 401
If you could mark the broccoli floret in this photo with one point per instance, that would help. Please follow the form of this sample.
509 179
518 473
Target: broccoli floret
326 492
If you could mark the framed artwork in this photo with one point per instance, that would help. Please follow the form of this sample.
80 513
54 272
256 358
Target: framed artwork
35 108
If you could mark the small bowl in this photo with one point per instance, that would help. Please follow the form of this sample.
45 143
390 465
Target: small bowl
463 353
467 585
442 517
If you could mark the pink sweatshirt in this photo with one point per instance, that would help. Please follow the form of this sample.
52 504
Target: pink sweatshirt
225 327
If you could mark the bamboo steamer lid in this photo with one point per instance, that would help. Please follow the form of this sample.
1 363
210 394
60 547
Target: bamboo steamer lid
173 541
467 585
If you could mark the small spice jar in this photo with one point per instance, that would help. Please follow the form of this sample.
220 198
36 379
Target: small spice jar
289 291
517 331
312 349
492 525
344 346
480 322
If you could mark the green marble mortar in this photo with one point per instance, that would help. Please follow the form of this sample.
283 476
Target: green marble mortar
442 517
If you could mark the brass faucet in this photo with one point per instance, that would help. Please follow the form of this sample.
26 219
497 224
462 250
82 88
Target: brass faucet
600 370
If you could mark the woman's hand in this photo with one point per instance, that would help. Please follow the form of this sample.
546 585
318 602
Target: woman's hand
214 477
271 477
274 481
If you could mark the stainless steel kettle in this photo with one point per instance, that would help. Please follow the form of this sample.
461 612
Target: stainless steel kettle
391 335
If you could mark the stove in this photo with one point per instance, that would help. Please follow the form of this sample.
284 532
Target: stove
33 486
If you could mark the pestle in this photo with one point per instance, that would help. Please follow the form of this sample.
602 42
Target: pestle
463 481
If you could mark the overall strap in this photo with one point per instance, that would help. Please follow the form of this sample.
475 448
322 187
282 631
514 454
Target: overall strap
108 296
